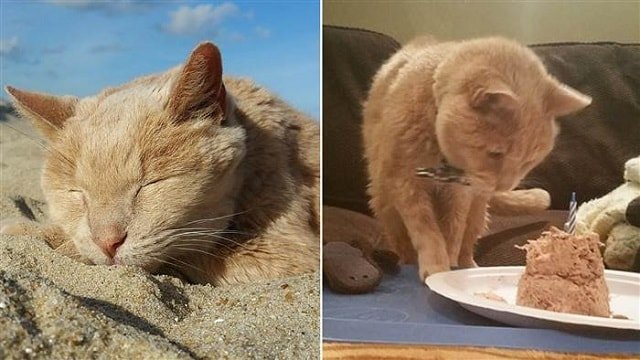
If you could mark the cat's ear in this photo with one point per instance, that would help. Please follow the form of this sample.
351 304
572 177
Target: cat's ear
563 100
47 112
199 90
494 96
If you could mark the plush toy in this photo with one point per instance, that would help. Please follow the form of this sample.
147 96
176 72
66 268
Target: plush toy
616 218
353 261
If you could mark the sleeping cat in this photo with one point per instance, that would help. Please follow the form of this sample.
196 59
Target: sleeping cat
180 172
486 107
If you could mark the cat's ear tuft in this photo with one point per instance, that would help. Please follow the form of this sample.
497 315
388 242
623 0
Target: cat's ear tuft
199 90
47 112
564 100
496 97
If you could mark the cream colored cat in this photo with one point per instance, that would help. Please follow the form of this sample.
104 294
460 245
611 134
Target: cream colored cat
180 172
485 106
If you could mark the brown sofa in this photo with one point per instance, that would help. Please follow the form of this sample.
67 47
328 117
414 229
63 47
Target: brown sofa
588 157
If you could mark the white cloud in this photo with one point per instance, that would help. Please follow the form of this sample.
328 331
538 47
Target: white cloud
111 6
10 47
73 3
263 32
192 20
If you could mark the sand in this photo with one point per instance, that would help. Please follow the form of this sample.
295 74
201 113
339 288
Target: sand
52 307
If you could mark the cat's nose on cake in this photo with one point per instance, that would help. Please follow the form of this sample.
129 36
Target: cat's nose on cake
111 241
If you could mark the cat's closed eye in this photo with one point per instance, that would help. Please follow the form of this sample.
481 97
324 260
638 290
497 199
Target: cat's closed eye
150 183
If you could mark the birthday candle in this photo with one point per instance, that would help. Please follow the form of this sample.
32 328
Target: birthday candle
570 225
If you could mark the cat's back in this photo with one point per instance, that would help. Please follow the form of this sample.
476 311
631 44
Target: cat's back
265 108
265 116
401 91
422 53
282 163
409 70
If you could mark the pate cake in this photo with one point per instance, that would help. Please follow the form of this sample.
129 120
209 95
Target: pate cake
564 273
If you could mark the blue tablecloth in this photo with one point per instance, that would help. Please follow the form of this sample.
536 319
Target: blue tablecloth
404 311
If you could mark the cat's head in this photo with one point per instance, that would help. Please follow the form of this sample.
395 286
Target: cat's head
130 169
496 111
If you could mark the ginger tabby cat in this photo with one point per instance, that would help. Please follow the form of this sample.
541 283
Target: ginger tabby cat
484 106
180 172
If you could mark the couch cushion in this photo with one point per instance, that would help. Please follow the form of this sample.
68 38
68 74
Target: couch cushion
591 148
593 144
350 59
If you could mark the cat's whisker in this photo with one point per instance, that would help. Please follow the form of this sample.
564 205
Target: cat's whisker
233 245
174 231
208 233
162 250
232 241
185 263
193 233
288 241
192 249
35 139
214 230
200 251
210 236
209 242
42 144
219 256
157 258
218 218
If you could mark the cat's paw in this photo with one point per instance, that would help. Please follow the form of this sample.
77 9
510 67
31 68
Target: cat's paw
51 234
466 263
17 226
429 269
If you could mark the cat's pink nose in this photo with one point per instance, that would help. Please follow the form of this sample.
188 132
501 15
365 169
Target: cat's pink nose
109 243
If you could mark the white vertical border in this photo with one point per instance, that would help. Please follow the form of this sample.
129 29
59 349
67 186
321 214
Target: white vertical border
321 121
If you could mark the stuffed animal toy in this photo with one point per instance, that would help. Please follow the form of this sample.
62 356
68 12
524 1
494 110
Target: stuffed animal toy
353 261
615 217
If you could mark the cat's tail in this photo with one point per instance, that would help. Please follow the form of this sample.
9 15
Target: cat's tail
519 202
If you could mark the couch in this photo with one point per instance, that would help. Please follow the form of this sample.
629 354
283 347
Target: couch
588 157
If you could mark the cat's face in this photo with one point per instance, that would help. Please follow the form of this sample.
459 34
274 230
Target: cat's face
496 113
131 171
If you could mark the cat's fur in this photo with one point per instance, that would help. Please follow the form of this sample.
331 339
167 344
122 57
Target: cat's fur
486 106
216 181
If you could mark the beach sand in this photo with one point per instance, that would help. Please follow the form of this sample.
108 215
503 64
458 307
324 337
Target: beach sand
56 308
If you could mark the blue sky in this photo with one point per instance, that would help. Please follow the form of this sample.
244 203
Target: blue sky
78 47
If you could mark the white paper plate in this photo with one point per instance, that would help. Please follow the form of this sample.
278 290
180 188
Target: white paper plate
468 286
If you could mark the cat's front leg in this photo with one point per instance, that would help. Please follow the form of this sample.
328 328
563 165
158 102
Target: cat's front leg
454 204
422 225
476 224
273 255
53 235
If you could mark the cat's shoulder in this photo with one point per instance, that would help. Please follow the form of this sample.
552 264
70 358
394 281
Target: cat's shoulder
271 122
259 102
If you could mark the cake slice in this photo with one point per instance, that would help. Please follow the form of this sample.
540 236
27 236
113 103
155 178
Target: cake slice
564 273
